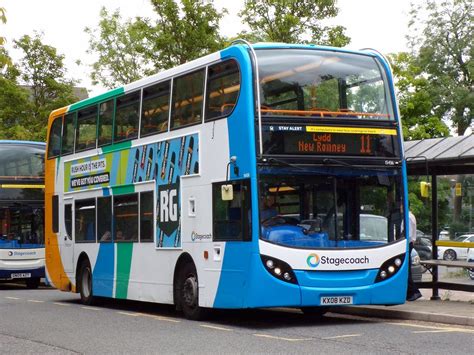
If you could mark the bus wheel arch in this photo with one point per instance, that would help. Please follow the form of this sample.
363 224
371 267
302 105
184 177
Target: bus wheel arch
186 288
84 279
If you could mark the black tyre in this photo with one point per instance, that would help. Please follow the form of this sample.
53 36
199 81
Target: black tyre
188 293
32 283
314 312
470 272
450 255
85 283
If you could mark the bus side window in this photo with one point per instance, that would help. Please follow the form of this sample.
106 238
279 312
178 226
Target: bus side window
223 88
231 218
86 128
155 109
67 146
104 218
146 216
188 92
126 217
54 145
106 121
85 221
127 117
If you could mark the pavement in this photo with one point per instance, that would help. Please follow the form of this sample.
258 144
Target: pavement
455 307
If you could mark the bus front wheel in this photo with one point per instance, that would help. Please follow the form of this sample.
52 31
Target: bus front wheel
85 283
188 293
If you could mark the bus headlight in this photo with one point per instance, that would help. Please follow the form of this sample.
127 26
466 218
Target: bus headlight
390 268
279 269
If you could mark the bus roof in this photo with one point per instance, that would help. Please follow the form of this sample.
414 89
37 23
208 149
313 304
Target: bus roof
193 65
22 142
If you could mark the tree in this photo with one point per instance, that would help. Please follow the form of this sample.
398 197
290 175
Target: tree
120 47
15 106
184 30
293 21
42 70
4 58
414 99
444 49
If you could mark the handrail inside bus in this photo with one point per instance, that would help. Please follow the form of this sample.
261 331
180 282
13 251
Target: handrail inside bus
257 89
324 113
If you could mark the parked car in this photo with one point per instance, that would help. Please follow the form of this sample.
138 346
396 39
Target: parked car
470 258
455 253
423 247
443 235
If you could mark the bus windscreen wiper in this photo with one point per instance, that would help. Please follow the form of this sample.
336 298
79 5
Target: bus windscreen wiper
335 161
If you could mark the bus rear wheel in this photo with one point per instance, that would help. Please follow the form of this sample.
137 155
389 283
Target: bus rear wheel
85 283
32 283
188 293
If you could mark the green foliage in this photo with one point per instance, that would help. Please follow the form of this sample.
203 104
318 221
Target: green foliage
292 21
24 110
420 121
120 47
4 58
421 206
185 32
444 49
14 110
129 50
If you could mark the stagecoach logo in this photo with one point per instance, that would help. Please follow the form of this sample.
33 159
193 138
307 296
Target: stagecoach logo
197 236
168 208
21 253
313 260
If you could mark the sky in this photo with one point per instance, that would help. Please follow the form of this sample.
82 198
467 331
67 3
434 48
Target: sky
379 24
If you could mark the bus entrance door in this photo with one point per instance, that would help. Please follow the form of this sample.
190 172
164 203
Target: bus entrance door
67 247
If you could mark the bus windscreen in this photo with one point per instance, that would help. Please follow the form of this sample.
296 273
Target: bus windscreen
303 83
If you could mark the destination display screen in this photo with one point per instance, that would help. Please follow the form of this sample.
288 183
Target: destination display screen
329 140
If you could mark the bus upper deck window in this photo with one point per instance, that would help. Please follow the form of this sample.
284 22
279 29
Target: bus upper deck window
223 88
188 92
127 117
155 109
86 128
106 121
54 146
67 146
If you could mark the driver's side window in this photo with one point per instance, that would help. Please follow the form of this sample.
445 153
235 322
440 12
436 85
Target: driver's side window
231 216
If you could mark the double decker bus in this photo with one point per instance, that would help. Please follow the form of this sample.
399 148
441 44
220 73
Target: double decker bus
262 175
22 211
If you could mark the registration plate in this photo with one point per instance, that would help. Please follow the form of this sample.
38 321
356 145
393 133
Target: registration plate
334 300
21 275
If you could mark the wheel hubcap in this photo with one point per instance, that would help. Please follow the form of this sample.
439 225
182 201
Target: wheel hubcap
190 291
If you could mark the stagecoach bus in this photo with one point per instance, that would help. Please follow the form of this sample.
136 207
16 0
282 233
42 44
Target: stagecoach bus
262 175
22 211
